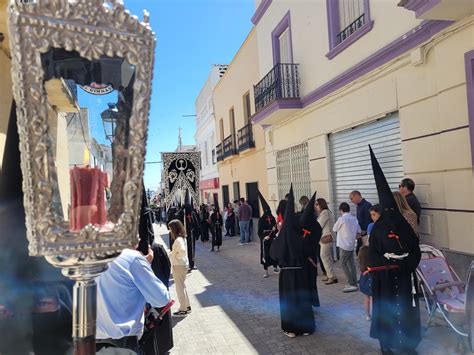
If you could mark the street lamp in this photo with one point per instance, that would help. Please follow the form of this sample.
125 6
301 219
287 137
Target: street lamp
83 237
109 120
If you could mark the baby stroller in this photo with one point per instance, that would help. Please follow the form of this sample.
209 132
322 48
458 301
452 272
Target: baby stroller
445 294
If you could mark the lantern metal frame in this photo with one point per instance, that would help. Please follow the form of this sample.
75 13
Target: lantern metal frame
94 29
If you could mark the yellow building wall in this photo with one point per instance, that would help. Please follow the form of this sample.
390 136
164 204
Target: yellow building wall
309 33
241 75
430 99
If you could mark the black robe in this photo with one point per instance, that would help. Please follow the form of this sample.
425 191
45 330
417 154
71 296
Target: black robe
296 309
26 280
396 311
197 226
204 226
159 339
265 225
216 229
191 225
311 235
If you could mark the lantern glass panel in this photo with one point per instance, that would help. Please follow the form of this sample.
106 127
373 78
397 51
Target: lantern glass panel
89 110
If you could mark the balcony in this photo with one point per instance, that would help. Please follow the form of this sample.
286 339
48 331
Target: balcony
229 146
245 138
277 94
447 10
219 153
350 29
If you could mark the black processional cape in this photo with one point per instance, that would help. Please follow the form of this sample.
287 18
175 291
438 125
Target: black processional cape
25 280
266 227
295 300
311 232
158 335
216 227
396 312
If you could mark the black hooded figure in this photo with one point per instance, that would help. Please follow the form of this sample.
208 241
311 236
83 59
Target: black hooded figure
266 232
29 286
190 222
197 223
216 228
311 232
295 301
204 217
158 335
396 312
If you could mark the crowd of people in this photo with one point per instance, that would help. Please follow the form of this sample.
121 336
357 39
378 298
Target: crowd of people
382 238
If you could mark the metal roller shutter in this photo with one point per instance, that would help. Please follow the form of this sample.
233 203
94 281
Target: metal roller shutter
351 168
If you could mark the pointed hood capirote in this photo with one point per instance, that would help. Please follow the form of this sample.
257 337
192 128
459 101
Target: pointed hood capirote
308 221
145 224
265 206
390 214
386 199
287 248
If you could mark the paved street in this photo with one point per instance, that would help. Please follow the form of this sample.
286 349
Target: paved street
236 311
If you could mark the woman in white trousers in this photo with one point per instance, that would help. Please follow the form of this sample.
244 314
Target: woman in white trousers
179 265
326 221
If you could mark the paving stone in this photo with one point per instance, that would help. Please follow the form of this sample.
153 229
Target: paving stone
236 311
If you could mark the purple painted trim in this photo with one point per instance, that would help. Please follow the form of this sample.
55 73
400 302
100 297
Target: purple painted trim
333 21
401 45
350 40
420 6
334 27
469 62
281 104
262 8
276 33
408 41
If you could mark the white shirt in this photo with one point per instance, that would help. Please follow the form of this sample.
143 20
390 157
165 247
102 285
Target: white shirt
122 291
179 253
347 228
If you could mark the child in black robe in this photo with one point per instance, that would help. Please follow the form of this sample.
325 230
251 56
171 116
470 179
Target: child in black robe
266 232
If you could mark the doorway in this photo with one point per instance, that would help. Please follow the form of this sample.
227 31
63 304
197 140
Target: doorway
225 195
252 197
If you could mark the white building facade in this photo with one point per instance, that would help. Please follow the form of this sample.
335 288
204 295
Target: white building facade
205 136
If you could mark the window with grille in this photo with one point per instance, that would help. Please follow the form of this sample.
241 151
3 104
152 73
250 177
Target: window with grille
293 167
348 20
351 18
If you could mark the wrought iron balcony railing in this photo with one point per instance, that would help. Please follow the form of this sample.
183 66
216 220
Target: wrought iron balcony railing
229 146
219 152
350 29
245 138
282 82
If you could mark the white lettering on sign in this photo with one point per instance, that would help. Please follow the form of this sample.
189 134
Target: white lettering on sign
97 90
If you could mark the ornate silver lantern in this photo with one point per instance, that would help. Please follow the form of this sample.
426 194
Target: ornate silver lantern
80 214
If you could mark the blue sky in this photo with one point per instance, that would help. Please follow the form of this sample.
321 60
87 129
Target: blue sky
191 36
